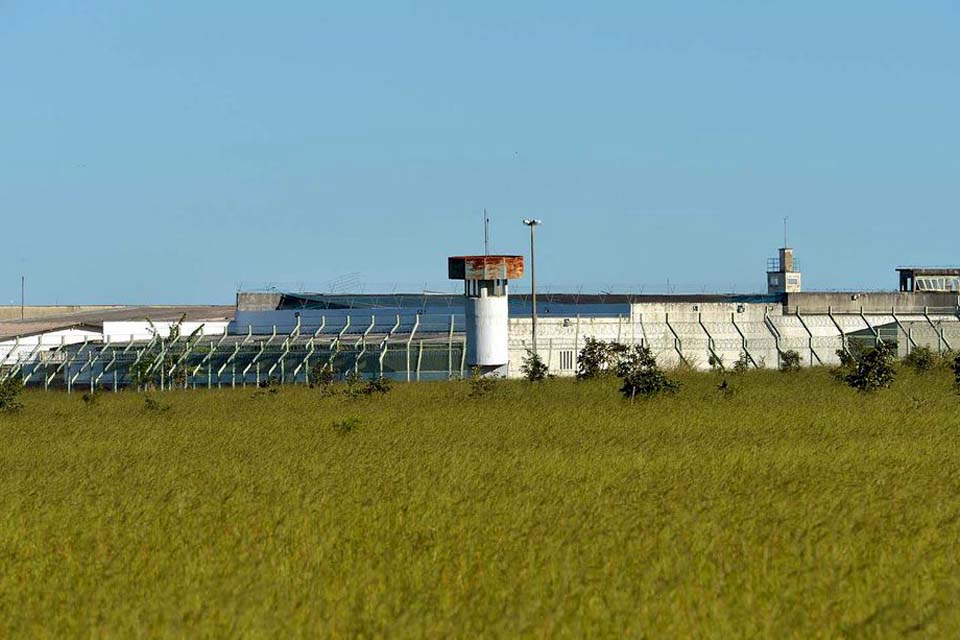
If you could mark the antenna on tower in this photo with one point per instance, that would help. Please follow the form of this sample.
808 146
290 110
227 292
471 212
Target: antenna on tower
486 233
785 245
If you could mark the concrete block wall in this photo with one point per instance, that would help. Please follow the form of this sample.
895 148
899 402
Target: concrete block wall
669 329
254 301
558 335
815 337
939 334
880 301
766 333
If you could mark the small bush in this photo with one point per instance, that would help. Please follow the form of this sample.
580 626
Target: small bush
921 360
140 376
533 367
347 425
789 361
379 385
9 395
270 383
152 404
873 371
715 362
642 376
598 358
481 385
322 376
956 370
848 363
726 389
357 387
90 398
742 365
947 358
354 385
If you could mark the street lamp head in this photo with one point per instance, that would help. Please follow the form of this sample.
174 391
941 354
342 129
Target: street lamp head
532 222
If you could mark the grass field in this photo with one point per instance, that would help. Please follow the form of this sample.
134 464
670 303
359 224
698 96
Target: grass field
794 508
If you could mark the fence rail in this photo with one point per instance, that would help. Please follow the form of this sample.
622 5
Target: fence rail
434 347
214 363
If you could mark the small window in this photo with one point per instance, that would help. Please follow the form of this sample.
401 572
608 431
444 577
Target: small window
566 360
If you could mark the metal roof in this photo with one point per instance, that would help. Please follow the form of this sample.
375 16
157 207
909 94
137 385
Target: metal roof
93 320
932 271
485 267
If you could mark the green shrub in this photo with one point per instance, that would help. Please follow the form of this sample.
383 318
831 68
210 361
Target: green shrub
140 376
379 385
598 358
347 425
789 361
353 385
270 383
848 363
742 365
322 374
152 404
956 370
356 386
642 376
9 395
481 385
533 367
921 360
715 362
874 370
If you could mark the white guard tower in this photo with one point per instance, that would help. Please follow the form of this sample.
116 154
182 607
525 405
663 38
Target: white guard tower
485 287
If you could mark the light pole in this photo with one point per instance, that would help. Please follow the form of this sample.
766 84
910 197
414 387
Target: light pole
533 222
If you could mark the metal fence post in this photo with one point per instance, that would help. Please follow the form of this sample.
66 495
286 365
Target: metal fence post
413 332
450 348
419 360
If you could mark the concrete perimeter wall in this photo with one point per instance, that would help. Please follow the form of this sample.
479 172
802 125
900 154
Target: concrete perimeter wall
685 333
838 301
12 312
251 301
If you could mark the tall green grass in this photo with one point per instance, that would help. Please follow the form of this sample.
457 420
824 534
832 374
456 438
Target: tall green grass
790 506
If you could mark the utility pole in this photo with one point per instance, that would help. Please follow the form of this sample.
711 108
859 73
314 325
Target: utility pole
532 223
22 279
486 233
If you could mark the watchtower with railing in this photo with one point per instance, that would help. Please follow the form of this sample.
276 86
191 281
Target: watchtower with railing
783 273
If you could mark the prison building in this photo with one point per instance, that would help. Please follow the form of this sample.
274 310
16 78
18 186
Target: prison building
288 337
940 279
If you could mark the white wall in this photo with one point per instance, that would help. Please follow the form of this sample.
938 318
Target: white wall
647 324
124 331
690 329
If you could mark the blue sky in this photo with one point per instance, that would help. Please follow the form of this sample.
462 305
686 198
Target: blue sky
169 151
